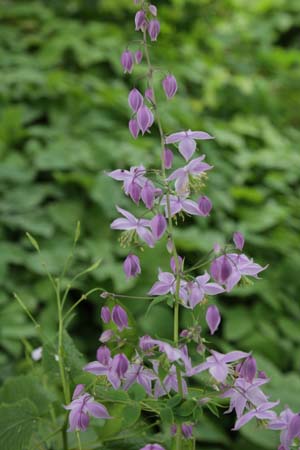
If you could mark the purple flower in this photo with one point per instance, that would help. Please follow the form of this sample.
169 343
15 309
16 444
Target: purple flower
262 412
140 20
168 158
132 266
153 10
148 193
135 99
81 408
144 118
187 143
180 203
127 61
149 95
147 343
105 314
119 317
187 430
78 391
213 318
289 424
217 364
198 288
204 205
229 269
133 181
106 336
152 447
244 394
238 240
138 56
134 128
167 284
153 29
132 223
141 375
170 86
182 176
158 226
170 382
247 369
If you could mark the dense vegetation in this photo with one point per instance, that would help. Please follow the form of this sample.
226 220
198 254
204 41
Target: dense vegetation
63 122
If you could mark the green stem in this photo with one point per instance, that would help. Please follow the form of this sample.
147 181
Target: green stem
23 306
78 440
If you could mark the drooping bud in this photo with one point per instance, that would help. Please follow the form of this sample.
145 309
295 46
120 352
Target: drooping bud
120 318
204 205
153 29
148 194
127 61
173 264
149 95
135 99
78 391
132 266
187 430
158 226
103 355
144 118
106 336
152 447
120 365
213 318
168 158
134 128
238 240
170 86
140 20
221 269
138 56
105 314
248 369
169 245
153 10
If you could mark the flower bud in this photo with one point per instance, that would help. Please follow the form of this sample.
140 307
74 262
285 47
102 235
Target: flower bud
213 318
103 355
248 369
168 158
238 240
134 128
204 205
149 95
135 99
152 447
148 194
78 391
170 86
144 118
153 29
106 336
140 20
120 318
120 365
158 226
153 10
105 314
173 429
138 56
169 245
127 61
132 266
173 264
187 430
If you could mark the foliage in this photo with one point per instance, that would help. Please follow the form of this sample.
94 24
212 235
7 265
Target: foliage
63 122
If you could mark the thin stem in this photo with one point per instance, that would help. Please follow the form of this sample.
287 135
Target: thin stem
82 298
24 307
78 440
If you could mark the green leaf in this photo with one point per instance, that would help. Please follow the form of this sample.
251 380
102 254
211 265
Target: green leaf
17 423
154 302
167 416
33 241
186 408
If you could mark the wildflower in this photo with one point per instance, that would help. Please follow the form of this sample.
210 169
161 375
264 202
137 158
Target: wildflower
83 406
153 10
133 180
182 176
132 223
289 424
132 266
148 193
167 284
158 226
187 143
168 158
204 205
170 86
105 314
106 336
187 430
140 20
247 369
198 288
147 343
127 61
217 364
149 95
180 203
238 240
170 382
138 56
135 99
261 412
134 128
144 118
213 318
153 29
119 317
141 375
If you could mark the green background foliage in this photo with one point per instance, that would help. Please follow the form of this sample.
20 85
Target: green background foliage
63 122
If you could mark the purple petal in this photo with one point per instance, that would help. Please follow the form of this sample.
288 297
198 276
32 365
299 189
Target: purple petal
97 410
199 135
187 147
175 137
213 318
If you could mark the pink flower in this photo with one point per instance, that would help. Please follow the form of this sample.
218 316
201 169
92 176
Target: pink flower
199 288
194 168
187 143
129 222
181 203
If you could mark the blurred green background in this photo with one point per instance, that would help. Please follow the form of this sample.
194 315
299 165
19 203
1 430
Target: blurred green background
63 121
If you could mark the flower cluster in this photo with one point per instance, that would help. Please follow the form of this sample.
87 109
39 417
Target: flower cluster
165 368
